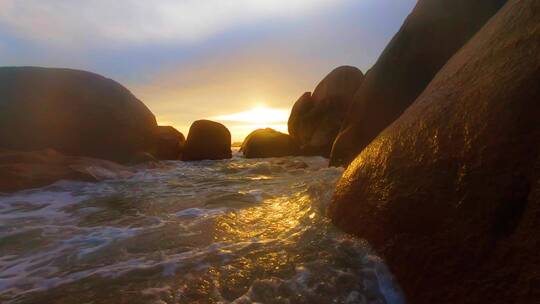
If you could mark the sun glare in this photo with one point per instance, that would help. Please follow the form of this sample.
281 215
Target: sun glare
259 115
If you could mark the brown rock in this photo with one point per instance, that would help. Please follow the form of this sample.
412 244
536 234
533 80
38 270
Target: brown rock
143 158
170 143
268 143
433 32
315 119
449 194
207 140
74 112
24 170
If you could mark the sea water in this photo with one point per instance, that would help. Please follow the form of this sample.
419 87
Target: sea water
231 231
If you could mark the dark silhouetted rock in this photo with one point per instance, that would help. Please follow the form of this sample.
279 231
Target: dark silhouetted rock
434 31
143 157
74 112
315 119
25 170
207 140
449 194
268 143
170 143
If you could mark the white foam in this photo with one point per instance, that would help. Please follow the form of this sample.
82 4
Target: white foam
43 204
200 212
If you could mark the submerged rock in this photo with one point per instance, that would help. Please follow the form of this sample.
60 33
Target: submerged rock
74 112
25 170
433 32
268 143
450 193
170 143
207 140
315 119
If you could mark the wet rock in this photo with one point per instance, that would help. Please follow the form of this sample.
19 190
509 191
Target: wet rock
170 143
449 194
315 119
74 112
25 170
207 140
434 31
268 143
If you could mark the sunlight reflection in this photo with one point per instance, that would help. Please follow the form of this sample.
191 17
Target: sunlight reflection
275 221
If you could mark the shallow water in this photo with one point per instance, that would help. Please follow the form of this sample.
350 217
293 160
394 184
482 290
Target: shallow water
234 231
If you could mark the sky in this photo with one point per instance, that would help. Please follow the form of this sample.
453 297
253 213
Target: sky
241 62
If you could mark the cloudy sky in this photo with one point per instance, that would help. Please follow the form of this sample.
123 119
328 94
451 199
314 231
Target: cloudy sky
242 62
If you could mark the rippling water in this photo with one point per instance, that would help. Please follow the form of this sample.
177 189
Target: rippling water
235 231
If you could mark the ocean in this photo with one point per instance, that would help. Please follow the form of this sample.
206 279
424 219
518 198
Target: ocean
231 231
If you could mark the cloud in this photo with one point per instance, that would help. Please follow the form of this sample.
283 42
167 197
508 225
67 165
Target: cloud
64 22
197 59
272 71
225 84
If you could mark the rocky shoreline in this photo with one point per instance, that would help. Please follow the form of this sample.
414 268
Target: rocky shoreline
441 139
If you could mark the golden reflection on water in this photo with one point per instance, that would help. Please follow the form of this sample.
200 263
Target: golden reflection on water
271 220
274 221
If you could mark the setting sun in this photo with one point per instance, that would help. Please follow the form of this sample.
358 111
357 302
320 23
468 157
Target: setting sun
259 115
243 123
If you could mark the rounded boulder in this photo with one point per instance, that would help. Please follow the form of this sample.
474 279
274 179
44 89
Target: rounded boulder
431 34
316 118
207 140
170 143
449 194
74 112
268 143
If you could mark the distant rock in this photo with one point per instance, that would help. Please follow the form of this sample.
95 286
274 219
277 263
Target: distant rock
170 143
432 33
207 140
268 143
449 194
25 170
74 112
315 119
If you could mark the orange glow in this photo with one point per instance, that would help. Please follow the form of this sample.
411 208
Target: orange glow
242 123
259 115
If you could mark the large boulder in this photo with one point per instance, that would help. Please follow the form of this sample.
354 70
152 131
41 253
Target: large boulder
74 112
315 119
449 194
207 140
24 170
434 31
268 143
170 143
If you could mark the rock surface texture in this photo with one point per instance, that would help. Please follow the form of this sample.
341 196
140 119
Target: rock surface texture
170 143
25 170
74 112
268 143
315 119
207 140
434 31
449 194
